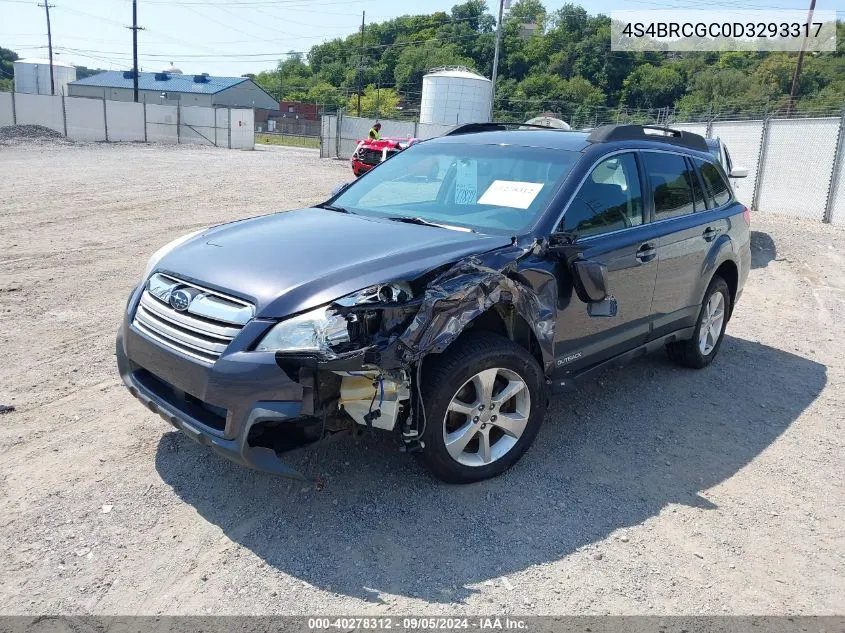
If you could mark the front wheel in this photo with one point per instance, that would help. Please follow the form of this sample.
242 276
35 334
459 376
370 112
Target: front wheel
701 349
484 400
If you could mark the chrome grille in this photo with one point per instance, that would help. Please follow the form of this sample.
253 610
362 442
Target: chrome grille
202 330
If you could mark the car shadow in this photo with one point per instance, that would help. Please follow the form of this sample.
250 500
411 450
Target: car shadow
609 456
763 249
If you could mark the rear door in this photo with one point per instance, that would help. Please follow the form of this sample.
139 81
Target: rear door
679 214
607 217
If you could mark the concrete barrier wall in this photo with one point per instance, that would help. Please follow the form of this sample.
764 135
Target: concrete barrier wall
197 125
86 119
126 120
43 110
7 113
221 125
162 124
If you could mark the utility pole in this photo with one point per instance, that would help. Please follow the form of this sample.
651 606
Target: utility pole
280 84
378 99
794 91
496 55
135 28
361 65
47 6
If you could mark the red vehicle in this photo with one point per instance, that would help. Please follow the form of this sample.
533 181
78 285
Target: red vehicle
370 153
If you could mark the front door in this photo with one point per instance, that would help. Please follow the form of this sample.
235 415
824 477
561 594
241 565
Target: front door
608 222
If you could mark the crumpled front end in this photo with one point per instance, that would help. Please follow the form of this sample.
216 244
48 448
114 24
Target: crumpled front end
250 406
380 367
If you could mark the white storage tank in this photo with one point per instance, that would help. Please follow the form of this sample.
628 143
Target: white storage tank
33 76
453 96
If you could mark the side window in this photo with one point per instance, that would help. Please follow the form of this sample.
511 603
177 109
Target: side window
608 200
671 184
695 183
717 189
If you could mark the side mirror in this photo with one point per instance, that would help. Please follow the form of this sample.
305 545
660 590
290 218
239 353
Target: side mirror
738 172
339 189
590 280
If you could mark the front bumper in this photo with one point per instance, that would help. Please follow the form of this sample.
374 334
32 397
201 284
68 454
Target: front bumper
215 405
359 168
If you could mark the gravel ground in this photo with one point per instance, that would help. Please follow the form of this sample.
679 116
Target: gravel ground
652 490
13 135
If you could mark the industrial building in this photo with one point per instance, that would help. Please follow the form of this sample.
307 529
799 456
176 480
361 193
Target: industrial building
32 76
171 87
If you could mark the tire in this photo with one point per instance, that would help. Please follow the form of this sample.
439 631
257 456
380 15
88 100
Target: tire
693 352
451 374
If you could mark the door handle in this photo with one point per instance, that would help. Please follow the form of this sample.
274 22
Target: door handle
646 252
710 233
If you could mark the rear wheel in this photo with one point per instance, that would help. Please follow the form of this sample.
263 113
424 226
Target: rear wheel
485 400
701 349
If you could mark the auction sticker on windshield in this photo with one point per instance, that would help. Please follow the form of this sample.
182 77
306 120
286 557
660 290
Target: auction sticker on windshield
466 182
511 193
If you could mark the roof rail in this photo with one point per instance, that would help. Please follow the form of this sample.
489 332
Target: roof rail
608 133
472 128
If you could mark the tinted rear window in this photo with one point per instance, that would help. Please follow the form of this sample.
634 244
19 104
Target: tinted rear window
671 184
717 189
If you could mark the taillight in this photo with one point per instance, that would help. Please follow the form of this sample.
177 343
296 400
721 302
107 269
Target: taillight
746 215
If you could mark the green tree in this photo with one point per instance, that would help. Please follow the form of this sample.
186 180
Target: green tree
652 87
415 61
7 68
375 102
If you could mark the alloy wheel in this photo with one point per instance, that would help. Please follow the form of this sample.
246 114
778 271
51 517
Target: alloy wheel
486 417
712 322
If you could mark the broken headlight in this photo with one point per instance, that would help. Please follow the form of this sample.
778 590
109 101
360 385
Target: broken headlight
314 331
394 292
322 329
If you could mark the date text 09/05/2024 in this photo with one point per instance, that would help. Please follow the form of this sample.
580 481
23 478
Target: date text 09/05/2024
485 623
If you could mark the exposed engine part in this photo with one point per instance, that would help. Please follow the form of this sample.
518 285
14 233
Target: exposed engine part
373 398
394 292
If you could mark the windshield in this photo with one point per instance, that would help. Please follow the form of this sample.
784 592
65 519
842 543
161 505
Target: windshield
497 189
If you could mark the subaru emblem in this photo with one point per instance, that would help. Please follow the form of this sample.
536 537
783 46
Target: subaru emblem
180 300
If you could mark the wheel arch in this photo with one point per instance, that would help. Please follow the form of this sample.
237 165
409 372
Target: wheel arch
729 271
503 319
720 261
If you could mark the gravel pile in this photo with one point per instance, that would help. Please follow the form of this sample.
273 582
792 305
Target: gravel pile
16 134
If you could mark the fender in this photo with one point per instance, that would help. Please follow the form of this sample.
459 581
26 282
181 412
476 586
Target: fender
468 290
721 250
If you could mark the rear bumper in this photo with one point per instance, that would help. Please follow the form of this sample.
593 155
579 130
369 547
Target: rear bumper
215 405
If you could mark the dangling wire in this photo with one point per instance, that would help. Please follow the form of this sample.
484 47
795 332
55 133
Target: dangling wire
420 405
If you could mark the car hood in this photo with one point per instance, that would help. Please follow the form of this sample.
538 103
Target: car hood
292 261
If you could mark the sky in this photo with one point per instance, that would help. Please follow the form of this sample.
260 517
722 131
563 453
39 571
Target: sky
234 37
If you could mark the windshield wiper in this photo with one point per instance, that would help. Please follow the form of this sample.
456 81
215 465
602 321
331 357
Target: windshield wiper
332 207
424 222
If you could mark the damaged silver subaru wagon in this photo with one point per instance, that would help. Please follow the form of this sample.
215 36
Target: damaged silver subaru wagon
442 297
